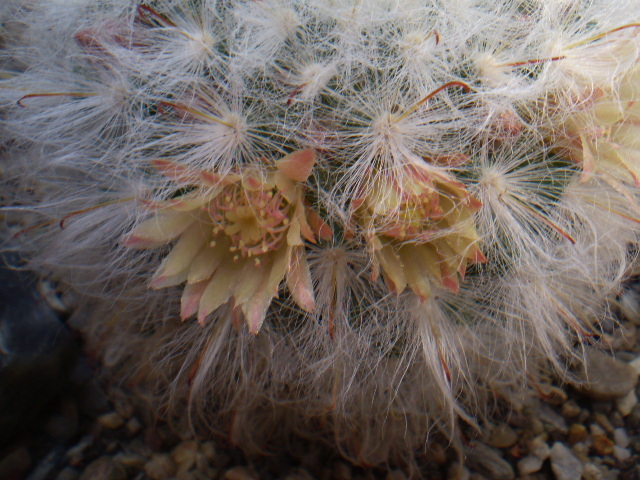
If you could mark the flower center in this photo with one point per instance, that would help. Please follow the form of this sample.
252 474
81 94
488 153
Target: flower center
255 221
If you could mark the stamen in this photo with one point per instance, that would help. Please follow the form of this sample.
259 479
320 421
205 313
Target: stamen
57 94
463 85
146 11
534 61
194 112
602 35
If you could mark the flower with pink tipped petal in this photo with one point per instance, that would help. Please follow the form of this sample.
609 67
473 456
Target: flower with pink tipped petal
238 237
420 228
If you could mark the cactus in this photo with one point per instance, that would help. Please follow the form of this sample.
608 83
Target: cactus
358 221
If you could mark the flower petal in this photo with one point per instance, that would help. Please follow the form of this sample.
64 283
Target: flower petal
219 288
207 260
184 251
299 280
191 299
297 165
417 275
393 268
158 230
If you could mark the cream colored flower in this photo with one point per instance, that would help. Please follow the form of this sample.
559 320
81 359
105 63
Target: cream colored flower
238 237
604 135
420 228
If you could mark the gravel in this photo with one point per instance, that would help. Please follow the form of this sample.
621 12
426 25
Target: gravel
562 432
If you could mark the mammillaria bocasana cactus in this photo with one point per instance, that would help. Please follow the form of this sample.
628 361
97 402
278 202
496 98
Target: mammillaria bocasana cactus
350 220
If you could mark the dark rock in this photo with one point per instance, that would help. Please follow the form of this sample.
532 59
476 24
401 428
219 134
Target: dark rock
36 351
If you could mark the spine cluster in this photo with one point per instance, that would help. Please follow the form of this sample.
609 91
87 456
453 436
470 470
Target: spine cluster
378 212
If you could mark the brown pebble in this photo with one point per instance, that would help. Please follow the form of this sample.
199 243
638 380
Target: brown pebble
209 451
111 420
577 433
133 426
502 436
240 473
131 460
104 468
160 466
553 395
602 444
604 422
570 409
185 455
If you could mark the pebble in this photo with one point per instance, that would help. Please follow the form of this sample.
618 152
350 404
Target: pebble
185 455
553 419
209 451
605 378
621 438
621 454
635 364
554 395
577 433
104 468
243 473
502 436
111 420
625 404
604 422
529 464
570 409
160 466
539 447
592 472
133 426
131 460
601 444
564 464
489 461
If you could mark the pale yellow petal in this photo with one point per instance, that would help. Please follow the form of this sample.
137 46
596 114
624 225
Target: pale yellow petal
218 290
191 299
184 251
415 271
393 268
158 230
207 260
299 280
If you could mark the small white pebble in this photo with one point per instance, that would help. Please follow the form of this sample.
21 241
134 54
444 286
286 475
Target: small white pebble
621 454
539 447
620 437
529 464
635 363
625 404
